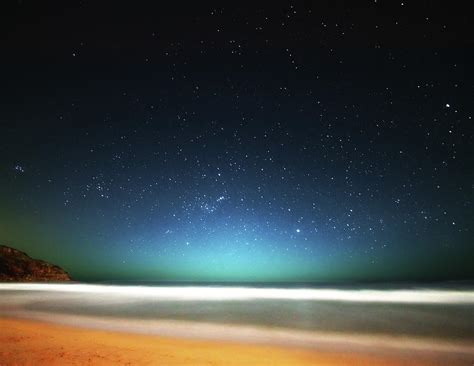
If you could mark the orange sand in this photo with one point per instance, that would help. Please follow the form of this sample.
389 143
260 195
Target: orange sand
24 342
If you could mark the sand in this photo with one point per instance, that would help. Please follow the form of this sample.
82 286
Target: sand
26 342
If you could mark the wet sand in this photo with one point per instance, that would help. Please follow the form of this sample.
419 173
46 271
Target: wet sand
28 342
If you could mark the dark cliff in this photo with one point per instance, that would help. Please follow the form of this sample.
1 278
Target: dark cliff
18 266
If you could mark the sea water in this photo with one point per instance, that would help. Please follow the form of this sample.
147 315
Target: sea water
436 315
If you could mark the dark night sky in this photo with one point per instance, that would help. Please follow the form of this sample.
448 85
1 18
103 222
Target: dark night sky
291 142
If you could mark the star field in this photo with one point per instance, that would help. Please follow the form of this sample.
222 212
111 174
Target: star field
330 142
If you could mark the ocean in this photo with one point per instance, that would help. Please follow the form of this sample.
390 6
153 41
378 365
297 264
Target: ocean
417 316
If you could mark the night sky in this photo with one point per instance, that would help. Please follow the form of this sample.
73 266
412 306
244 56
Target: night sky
293 142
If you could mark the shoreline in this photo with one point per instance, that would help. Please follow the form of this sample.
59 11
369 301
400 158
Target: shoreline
247 334
41 342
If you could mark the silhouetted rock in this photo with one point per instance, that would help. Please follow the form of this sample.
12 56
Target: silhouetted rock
18 266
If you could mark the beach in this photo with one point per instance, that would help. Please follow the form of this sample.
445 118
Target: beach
26 342
83 324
